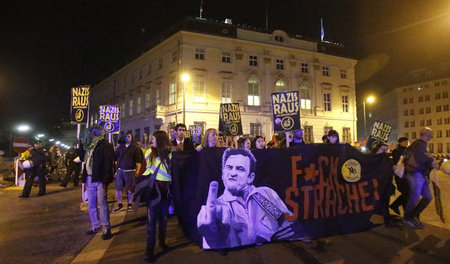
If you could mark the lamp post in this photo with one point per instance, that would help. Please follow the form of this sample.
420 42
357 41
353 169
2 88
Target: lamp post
185 78
370 100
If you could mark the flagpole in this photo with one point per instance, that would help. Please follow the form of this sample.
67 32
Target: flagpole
322 31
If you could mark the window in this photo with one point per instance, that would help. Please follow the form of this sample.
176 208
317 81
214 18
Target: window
406 124
405 113
343 74
305 97
160 63
413 135
411 100
96 118
412 124
446 107
438 96
327 129
304 68
123 109
448 147
308 134
253 92
438 108
327 102
411 111
420 98
439 121
172 91
444 94
446 120
427 97
346 137
130 108
444 82
422 122
174 56
436 84
447 133
431 147
255 129
405 100
280 86
421 111
92 120
199 92
406 134
226 57
429 122
280 65
345 103
138 105
199 54
439 134
149 69
428 110
147 98
440 147
325 71
253 61
158 95
226 92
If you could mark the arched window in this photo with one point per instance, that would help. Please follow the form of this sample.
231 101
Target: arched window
253 92
280 86
305 96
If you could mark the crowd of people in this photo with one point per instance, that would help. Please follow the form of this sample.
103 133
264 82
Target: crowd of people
130 162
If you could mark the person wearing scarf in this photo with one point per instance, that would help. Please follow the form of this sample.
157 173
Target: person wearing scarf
97 174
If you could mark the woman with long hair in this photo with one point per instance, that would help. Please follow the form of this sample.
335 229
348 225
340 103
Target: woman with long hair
158 161
209 140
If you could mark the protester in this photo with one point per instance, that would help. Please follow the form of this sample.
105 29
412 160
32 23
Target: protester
129 157
248 214
158 162
325 139
182 143
402 183
258 143
38 160
221 141
297 139
73 164
209 140
97 174
244 143
173 134
332 137
418 166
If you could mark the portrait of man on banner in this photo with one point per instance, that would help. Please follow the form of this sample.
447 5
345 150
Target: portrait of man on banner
243 214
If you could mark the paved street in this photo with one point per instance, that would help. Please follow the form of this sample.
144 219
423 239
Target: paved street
50 229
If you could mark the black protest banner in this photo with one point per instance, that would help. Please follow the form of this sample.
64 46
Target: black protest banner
79 107
230 119
379 134
286 111
313 190
109 118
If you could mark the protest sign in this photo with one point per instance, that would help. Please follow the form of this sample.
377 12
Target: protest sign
230 119
286 111
379 134
109 118
79 106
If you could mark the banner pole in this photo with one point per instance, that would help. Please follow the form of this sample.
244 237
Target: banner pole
287 139
78 134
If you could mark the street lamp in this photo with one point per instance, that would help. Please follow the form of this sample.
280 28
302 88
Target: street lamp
370 100
23 128
185 78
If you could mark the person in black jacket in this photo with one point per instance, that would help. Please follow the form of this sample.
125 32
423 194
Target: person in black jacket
73 164
38 159
182 143
98 172
402 183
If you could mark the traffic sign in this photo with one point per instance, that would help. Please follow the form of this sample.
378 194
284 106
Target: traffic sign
20 144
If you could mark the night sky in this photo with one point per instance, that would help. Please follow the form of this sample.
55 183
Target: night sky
47 47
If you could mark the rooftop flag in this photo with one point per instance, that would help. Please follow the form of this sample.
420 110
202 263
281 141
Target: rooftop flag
322 31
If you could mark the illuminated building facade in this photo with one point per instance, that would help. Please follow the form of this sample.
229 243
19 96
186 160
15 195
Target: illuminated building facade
228 63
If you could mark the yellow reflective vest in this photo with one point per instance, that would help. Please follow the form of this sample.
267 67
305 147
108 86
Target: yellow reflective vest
163 173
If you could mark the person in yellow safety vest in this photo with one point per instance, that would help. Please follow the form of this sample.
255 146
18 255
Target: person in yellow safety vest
158 160
26 153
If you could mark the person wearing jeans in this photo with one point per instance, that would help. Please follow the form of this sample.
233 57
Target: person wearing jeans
97 174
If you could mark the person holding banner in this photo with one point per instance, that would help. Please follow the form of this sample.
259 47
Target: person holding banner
297 139
38 160
258 143
333 137
97 174
209 140
243 214
182 143
402 183
158 162
418 166
244 143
